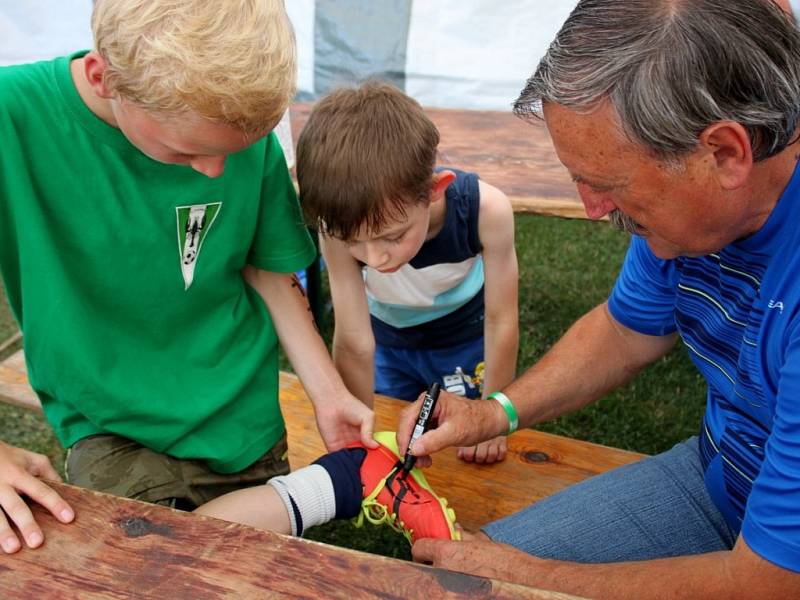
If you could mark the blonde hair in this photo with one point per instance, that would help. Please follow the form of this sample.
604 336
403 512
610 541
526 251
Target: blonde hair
231 61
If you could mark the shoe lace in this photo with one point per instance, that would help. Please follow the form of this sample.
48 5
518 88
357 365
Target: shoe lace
377 514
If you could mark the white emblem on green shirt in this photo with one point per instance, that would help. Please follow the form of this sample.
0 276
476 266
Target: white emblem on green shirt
194 222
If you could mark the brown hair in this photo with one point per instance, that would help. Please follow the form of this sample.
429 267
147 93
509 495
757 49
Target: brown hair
365 154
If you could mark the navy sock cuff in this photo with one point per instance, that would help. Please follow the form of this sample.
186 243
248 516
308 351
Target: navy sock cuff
344 468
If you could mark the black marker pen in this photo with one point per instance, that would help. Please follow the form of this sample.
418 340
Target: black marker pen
423 422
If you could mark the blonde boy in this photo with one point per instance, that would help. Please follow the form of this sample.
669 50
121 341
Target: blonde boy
139 181
422 264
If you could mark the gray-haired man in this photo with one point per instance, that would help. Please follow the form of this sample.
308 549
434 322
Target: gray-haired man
679 120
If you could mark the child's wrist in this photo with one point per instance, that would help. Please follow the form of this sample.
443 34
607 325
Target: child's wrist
508 409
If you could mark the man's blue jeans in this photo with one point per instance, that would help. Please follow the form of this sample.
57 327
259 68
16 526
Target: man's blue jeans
655 508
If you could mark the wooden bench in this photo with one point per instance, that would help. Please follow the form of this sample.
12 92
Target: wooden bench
538 464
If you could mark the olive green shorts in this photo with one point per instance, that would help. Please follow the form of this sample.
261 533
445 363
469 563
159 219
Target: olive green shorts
119 466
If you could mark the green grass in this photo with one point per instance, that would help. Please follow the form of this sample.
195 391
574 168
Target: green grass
566 268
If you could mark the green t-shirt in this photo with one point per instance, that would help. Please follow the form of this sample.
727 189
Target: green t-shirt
125 276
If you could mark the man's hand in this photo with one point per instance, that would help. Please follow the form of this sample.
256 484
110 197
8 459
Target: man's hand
19 470
460 422
477 557
488 452
345 420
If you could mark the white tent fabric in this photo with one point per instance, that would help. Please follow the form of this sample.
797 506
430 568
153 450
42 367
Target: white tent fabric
448 53
33 30
478 54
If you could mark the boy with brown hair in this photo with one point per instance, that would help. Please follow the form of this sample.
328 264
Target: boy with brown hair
423 271
149 233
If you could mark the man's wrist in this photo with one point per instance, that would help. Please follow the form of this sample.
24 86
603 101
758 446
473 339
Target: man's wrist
508 409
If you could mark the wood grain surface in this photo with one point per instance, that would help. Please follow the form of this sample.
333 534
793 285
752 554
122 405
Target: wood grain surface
538 464
119 548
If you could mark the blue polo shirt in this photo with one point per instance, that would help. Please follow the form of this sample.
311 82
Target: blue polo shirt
737 314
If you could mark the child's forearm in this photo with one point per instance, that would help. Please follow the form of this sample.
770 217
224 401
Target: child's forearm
297 332
357 371
341 418
501 345
259 506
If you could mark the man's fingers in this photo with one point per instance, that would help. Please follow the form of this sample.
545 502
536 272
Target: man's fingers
423 462
434 440
405 424
424 550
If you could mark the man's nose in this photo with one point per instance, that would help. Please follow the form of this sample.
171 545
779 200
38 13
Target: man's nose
597 204
210 166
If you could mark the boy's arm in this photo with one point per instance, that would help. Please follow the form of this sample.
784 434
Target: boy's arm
341 418
501 328
501 325
353 341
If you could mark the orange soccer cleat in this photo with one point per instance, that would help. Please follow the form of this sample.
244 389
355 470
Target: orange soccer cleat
405 503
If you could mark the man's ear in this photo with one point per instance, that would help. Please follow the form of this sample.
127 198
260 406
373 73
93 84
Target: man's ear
728 143
441 181
94 67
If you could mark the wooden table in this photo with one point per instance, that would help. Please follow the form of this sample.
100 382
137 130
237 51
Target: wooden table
538 464
511 154
119 548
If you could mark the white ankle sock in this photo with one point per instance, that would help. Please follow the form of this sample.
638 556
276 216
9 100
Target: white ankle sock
308 496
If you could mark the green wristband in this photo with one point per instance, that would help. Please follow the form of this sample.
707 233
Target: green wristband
511 413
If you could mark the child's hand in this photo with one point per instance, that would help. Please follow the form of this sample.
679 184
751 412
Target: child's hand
345 420
20 473
488 452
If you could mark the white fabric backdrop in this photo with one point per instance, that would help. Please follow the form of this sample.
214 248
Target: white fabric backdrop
458 53
478 53
41 29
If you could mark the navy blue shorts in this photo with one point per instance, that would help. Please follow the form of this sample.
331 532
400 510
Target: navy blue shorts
404 373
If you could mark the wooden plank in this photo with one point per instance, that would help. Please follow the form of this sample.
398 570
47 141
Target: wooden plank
538 464
14 388
119 548
10 341
511 154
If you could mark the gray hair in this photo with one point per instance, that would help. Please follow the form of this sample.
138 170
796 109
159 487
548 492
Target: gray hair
671 68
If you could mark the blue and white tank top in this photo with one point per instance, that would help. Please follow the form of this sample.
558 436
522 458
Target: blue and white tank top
436 300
